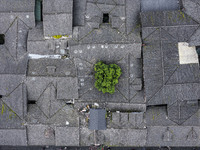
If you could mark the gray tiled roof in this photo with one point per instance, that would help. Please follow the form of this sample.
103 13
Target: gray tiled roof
17 5
57 6
167 82
97 119
15 137
57 24
159 5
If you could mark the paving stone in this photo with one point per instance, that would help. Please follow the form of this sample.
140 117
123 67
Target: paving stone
13 137
40 135
63 138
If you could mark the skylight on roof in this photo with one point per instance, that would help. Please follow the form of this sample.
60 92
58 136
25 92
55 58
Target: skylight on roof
187 55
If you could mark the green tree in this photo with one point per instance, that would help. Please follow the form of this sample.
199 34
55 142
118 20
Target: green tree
106 76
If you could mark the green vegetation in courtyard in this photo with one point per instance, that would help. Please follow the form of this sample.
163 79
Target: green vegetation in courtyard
106 76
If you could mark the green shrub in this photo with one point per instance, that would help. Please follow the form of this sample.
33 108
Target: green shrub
106 77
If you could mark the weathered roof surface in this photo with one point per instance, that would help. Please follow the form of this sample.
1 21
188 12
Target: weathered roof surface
173 136
8 83
119 30
166 80
9 119
17 6
126 136
97 119
57 6
15 137
166 18
67 136
192 7
195 39
47 101
51 67
159 5
40 135
57 17
67 88
57 24
79 8
127 120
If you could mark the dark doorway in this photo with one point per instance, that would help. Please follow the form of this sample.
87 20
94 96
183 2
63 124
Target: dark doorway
2 39
106 18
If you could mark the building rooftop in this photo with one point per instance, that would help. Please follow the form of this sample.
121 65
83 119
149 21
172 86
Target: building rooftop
48 49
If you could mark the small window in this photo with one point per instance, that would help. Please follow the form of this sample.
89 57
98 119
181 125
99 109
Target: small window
1 96
2 39
31 102
198 52
106 18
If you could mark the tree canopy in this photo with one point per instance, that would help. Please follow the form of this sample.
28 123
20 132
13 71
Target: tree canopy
106 76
